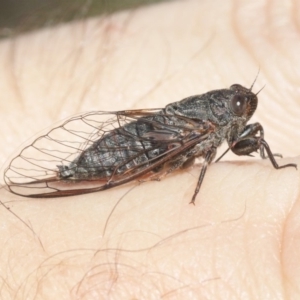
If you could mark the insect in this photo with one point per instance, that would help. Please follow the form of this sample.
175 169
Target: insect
101 150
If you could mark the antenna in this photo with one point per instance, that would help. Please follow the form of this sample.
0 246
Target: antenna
255 81
260 90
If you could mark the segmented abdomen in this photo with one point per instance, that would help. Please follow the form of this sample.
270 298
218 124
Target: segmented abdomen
118 151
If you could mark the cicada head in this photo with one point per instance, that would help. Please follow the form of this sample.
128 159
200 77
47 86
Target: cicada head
243 103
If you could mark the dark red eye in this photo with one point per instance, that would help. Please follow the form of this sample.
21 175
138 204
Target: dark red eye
238 105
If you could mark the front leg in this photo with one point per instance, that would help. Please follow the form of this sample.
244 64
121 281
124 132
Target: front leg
248 142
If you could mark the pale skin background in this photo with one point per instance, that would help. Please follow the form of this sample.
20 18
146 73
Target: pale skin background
240 241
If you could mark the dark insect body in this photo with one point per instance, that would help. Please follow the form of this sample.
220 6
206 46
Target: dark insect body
99 150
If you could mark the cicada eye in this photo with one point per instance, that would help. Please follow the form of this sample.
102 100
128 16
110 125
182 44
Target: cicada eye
238 105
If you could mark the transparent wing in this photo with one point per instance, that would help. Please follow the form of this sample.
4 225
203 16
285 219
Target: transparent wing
100 150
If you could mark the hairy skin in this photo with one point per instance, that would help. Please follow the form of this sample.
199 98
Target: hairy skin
240 241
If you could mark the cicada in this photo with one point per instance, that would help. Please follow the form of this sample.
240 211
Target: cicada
101 150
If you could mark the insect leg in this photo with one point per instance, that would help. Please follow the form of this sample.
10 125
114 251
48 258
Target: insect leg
208 158
164 170
183 162
265 145
248 142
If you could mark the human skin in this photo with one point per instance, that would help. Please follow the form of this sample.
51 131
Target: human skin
144 241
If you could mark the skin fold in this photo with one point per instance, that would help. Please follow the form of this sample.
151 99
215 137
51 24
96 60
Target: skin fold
143 240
